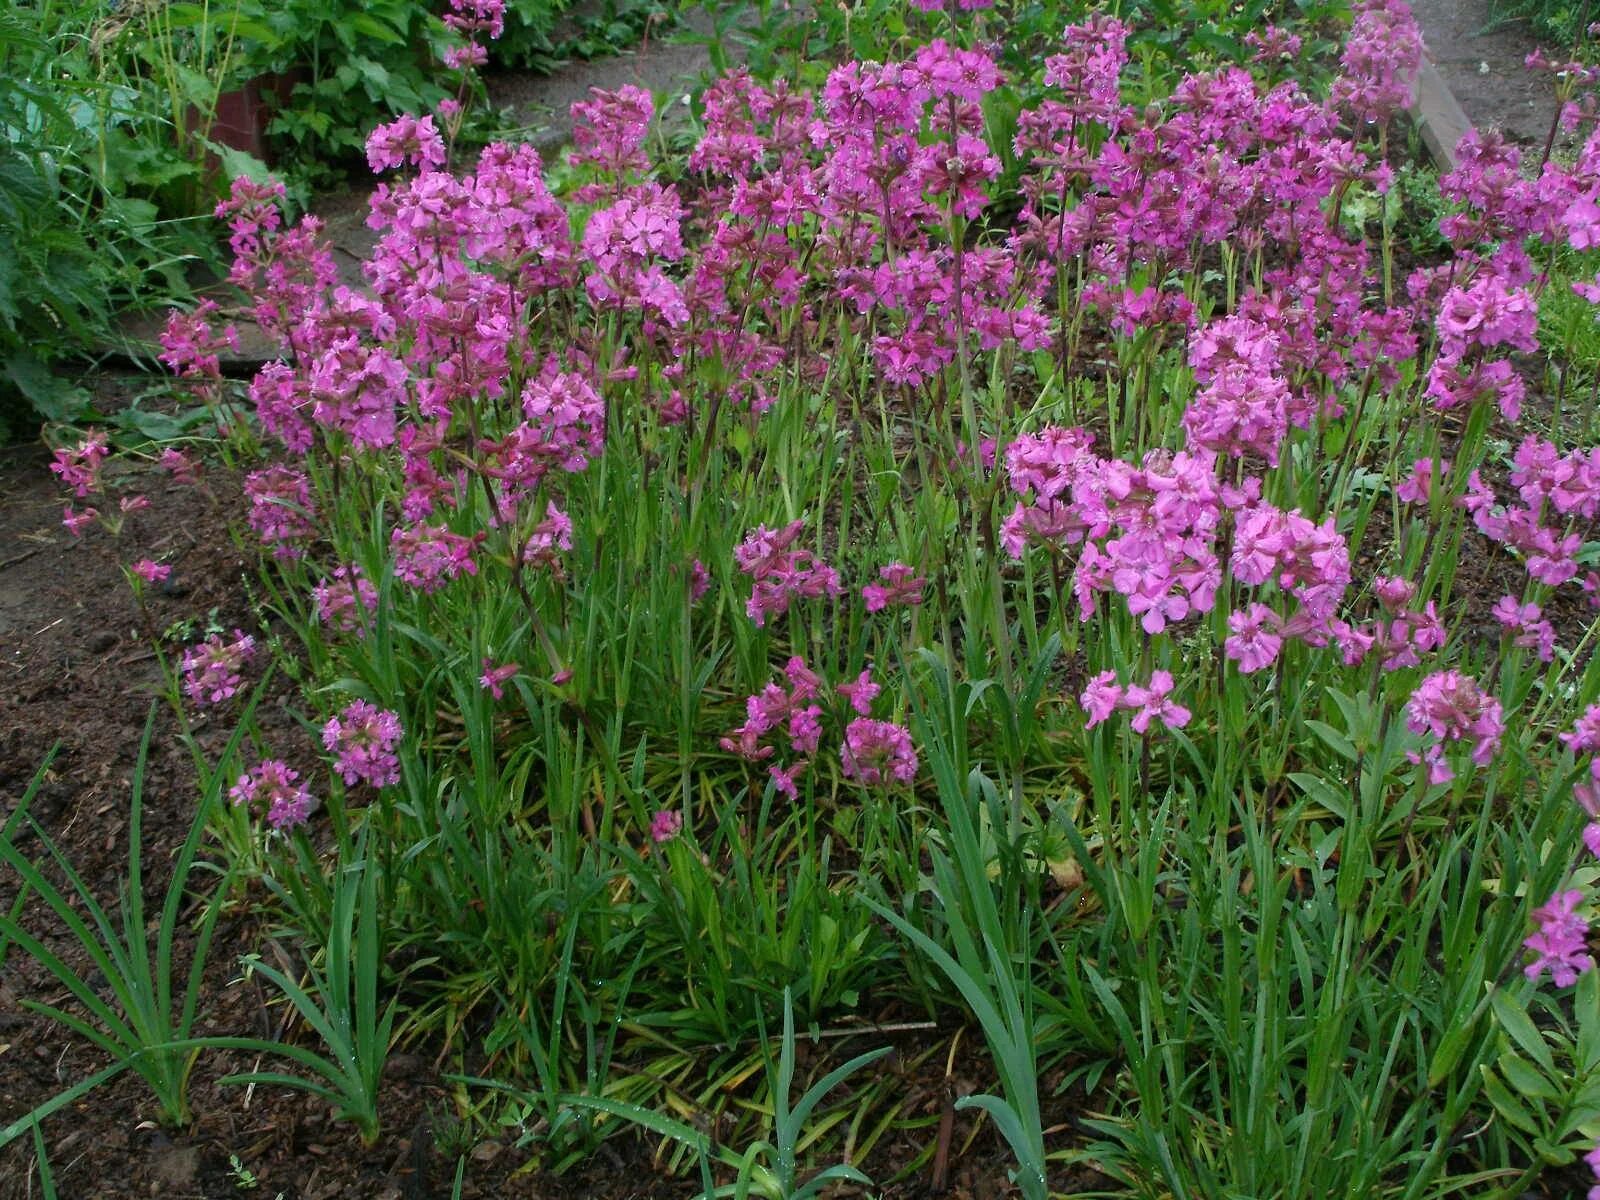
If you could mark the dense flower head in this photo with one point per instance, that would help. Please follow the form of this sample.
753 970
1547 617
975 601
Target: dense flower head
608 130
346 601
407 141
79 466
897 584
282 512
191 347
1381 60
877 752
364 738
213 671
275 791
665 825
1560 944
1450 706
472 17
427 557
779 574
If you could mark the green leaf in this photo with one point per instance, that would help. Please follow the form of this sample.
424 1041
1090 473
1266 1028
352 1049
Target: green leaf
1506 1104
1519 1027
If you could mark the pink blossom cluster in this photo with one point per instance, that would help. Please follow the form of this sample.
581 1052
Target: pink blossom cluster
282 512
474 17
878 752
427 557
781 574
78 467
274 789
346 601
897 585
1149 702
1560 944
213 671
406 142
1584 738
364 738
191 347
1557 494
1381 60
1449 706
872 752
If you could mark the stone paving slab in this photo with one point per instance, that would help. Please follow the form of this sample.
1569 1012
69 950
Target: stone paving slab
1482 66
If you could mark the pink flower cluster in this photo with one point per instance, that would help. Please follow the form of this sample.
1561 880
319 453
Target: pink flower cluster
781 574
274 789
872 753
1560 944
1557 494
429 556
1451 707
1584 738
897 585
1149 702
213 671
364 738
282 512
78 467
346 601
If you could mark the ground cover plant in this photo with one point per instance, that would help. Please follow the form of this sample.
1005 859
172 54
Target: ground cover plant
1147 616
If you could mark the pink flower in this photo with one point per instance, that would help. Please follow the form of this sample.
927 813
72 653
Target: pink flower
274 786
1418 486
494 678
1101 698
1450 706
875 752
281 509
429 556
347 601
76 521
899 584
151 571
364 737
1561 941
179 465
699 580
1154 703
665 825
860 693
79 466
1256 638
786 780
779 574
133 504
405 141
213 670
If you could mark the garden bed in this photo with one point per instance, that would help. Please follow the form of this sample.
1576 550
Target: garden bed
1053 615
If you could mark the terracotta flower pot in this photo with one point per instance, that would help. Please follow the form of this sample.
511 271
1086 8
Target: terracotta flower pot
241 116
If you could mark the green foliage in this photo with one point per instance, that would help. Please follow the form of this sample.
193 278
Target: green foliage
350 65
341 1005
142 1024
99 170
1564 23
770 1170
540 34
777 39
